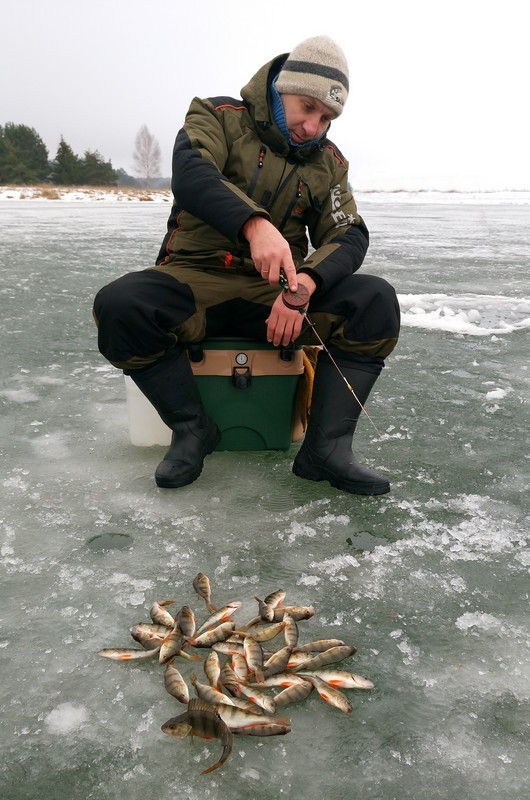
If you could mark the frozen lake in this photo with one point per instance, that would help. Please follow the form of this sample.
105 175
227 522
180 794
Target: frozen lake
431 582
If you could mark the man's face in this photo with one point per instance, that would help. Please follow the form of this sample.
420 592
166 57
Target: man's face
306 117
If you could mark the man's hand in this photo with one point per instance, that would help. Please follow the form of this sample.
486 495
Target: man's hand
284 324
270 251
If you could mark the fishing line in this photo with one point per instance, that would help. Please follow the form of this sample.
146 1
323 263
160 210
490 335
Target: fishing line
298 301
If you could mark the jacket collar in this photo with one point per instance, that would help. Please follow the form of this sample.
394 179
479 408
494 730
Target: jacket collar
256 94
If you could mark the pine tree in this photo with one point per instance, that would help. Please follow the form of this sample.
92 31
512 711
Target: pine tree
23 155
95 171
146 156
66 167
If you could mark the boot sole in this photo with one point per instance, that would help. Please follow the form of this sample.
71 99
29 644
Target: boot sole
168 483
354 487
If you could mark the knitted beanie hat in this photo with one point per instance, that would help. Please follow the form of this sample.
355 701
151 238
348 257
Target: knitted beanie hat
317 67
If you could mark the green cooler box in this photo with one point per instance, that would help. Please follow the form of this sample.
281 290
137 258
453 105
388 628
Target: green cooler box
249 389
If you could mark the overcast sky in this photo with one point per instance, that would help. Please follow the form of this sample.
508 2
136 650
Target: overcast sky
438 90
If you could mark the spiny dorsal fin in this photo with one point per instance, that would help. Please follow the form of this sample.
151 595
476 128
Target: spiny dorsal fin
196 704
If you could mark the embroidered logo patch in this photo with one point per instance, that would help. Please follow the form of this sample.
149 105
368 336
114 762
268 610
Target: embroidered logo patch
335 94
339 217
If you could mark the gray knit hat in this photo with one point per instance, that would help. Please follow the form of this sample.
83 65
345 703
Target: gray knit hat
316 67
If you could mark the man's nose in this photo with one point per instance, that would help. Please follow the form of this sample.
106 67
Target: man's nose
311 126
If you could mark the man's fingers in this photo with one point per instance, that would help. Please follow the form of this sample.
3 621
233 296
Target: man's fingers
290 273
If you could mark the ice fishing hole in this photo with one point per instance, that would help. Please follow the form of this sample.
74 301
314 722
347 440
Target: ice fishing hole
110 541
364 540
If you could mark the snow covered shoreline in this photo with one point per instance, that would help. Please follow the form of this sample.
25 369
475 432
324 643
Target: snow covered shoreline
124 194
101 194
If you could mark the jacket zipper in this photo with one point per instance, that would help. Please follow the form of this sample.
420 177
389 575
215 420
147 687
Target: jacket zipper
292 204
259 165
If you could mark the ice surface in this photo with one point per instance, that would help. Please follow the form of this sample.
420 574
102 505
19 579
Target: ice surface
429 582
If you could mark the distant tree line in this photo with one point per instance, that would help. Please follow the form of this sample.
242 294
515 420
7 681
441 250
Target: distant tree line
24 159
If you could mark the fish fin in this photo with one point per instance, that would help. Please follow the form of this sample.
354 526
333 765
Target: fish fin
167 603
280 721
196 704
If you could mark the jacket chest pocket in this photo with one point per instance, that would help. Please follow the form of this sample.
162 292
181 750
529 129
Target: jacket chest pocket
301 202
280 187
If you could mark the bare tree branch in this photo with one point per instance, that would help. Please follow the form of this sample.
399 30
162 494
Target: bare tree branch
146 156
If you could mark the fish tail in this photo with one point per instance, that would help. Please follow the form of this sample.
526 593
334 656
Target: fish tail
227 749
211 608
214 766
189 656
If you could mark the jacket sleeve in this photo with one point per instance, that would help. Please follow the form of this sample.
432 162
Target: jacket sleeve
338 234
198 183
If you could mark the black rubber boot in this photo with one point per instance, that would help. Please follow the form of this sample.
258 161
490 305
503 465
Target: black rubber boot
170 386
326 452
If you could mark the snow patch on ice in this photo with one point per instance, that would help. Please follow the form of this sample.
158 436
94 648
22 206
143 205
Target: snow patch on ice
332 565
328 519
308 580
480 529
497 394
524 558
251 773
133 591
66 718
297 530
489 622
475 314
17 481
410 651
19 395
243 580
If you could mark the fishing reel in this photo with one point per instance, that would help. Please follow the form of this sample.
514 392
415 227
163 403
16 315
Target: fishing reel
297 301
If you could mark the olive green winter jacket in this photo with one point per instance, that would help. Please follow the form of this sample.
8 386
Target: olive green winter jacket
230 162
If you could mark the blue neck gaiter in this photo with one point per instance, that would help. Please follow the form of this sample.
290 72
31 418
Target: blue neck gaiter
279 118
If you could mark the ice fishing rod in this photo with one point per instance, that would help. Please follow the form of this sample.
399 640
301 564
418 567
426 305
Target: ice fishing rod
299 301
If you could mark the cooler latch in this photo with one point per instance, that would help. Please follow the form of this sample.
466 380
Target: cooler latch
241 377
195 352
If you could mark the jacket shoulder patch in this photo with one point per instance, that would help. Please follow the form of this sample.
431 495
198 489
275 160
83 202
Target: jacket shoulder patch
228 102
336 152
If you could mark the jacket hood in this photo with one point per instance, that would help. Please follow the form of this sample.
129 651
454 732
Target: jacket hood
257 94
